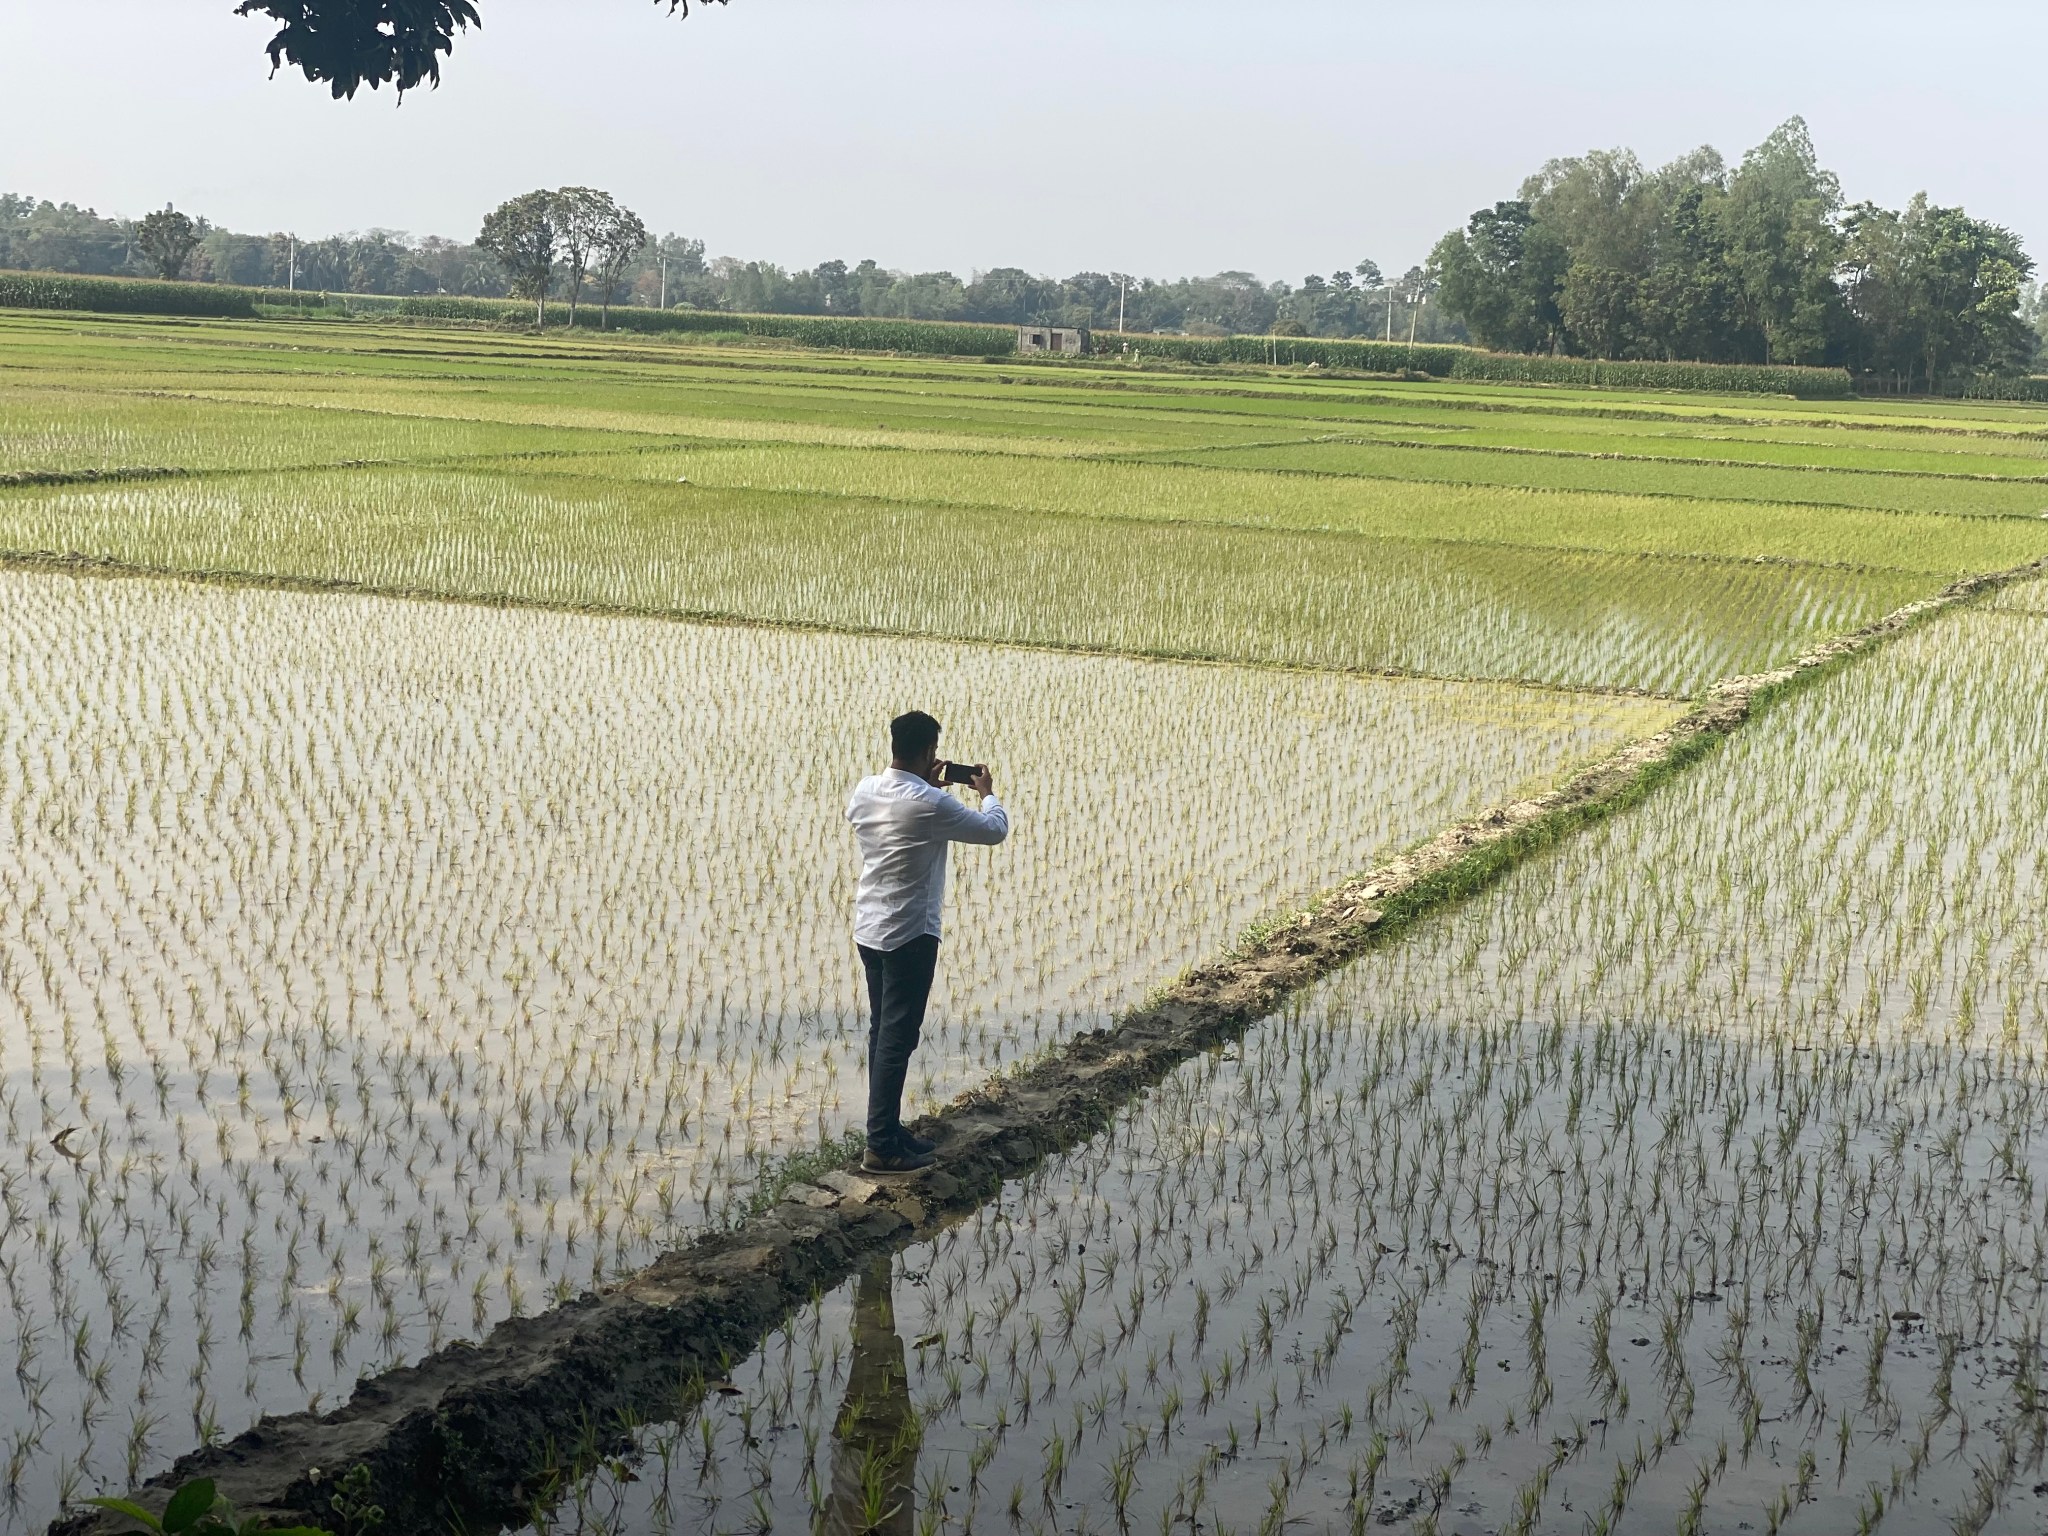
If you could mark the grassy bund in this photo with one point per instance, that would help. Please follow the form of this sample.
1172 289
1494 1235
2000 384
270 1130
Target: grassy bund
375 974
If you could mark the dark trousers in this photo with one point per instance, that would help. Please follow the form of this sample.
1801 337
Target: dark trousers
899 982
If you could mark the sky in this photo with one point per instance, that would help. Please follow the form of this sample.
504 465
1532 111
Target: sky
1159 137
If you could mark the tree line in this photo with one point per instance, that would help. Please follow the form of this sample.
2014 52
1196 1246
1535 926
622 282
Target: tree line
42 236
1765 263
1353 299
1597 257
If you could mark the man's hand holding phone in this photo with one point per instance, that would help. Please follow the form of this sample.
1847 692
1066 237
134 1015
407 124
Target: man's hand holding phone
974 775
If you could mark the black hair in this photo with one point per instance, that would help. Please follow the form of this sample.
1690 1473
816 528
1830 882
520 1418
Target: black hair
913 735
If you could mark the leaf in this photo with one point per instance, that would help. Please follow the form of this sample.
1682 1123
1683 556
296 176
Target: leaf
188 1505
129 1508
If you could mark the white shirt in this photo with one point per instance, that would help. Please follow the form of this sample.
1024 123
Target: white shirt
903 825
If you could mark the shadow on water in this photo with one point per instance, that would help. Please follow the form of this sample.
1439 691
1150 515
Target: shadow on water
876 1435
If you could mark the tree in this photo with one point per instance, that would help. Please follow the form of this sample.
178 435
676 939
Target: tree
1783 241
1971 275
1689 305
352 43
1501 275
620 237
1598 307
1012 296
1304 307
52 237
1934 293
1602 257
580 214
524 237
685 258
1603 204
835 286
167 237
1646 271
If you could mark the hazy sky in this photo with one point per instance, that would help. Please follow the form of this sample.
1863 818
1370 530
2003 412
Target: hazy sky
1155 136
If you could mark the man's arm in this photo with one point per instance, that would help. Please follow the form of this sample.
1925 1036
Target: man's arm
962 823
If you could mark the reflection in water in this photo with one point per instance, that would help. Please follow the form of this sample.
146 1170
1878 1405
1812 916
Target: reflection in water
875 1440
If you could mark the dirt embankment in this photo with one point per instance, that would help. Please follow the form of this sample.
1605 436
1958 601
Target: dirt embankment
464 1438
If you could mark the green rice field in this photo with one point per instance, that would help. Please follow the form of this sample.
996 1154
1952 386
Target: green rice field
1691 1180
423 898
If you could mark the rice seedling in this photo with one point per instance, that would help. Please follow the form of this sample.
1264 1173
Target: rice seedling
432 983
1664 466
55 432
1509 508
1664 1118
782 521
1323 600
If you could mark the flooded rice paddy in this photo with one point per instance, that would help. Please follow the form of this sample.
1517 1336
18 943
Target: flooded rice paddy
1691 1180
372 970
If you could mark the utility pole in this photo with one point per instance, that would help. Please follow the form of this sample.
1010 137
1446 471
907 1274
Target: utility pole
1389 292
292 265
1122 282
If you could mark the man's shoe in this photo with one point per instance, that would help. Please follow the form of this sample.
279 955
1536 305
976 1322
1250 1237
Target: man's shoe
910 1141
895 1160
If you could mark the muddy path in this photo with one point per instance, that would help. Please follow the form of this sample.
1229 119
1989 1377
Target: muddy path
462 1439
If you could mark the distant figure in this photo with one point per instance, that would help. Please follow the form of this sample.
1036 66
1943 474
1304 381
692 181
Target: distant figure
903 820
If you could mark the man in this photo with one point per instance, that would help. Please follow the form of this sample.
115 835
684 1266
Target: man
903 821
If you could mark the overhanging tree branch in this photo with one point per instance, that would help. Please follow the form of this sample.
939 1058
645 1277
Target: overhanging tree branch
348 44
351 43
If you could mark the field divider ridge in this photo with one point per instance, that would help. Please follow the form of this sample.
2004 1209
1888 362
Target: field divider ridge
1365 440
470 1437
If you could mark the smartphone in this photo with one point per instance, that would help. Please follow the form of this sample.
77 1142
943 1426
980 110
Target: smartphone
958 773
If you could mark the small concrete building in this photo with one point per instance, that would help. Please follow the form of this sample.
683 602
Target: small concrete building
1051 338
